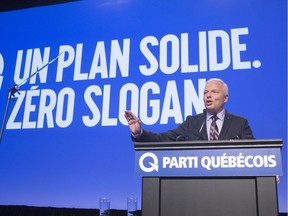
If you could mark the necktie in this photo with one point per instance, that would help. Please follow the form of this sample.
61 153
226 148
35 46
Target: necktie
214 133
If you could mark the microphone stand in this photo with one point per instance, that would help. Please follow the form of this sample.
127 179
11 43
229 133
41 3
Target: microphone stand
15 89
11 94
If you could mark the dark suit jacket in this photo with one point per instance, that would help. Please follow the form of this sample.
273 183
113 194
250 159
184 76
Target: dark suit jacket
194 128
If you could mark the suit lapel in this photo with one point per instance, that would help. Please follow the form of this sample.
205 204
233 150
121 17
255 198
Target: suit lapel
225 126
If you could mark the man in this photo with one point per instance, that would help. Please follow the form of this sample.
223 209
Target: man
213 124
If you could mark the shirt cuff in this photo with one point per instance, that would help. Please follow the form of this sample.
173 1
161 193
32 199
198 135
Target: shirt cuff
137 135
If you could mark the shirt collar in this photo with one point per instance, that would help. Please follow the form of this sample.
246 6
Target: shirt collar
220 115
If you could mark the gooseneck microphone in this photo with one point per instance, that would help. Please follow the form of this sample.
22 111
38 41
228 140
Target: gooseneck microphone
193 135
205 113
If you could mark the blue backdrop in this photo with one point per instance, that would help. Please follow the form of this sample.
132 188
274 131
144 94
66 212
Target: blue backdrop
66 141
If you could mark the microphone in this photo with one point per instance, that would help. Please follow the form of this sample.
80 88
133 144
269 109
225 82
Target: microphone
205 113
193 135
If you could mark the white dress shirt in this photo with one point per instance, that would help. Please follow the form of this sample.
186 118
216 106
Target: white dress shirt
219 121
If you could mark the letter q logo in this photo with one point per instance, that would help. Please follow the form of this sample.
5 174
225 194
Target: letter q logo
154 164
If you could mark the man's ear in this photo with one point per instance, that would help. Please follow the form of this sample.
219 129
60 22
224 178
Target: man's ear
226 98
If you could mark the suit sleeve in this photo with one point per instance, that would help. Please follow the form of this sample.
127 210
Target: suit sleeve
169 136
246 132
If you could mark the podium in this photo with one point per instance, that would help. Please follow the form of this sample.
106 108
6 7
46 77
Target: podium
203 178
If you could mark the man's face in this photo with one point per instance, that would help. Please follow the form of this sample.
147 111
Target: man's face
214 97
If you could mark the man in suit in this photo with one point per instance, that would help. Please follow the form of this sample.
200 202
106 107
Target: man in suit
213 124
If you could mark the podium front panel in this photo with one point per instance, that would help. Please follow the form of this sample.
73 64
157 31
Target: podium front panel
249 196
203 197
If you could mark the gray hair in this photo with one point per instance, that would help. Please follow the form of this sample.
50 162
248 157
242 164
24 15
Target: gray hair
226 90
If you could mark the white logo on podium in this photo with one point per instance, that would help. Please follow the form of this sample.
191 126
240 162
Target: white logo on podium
154 164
